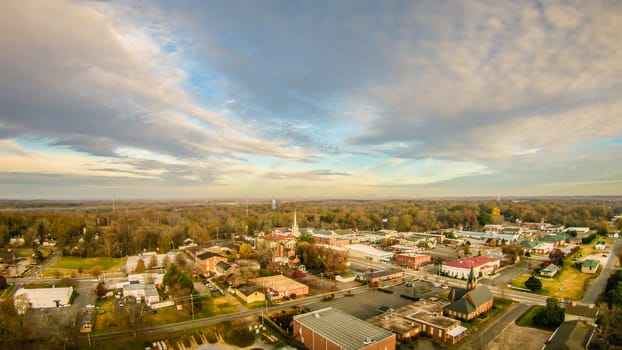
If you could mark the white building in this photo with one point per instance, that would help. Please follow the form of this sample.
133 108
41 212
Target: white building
146 278
140 291
46 297
482 266
363 251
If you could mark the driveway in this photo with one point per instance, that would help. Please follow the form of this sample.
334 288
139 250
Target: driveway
599 285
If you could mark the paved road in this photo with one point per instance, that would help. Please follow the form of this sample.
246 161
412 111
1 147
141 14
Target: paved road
599 285
494 328
507 274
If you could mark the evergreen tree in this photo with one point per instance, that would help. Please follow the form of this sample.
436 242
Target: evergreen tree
533 283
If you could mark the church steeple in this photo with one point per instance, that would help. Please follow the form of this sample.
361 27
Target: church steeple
295 231
472 281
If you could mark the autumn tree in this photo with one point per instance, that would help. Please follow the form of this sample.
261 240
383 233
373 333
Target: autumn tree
14 329
512 251
246 251
306 237
96 271
140 266
153 261
557 257
179 284
101 290
166 262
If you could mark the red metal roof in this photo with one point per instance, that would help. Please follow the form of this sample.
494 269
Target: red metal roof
474 261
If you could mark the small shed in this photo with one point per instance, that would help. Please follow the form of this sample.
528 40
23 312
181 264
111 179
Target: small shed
590 266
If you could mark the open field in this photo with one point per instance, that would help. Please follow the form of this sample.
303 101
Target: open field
68 265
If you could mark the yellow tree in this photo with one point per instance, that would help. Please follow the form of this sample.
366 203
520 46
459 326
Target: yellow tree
246 250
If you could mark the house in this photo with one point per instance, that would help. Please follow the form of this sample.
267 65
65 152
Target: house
590 266
467 304
146 292
482 265
601 245
381 276
330 328
587 313
549 271
207 262
536 247
280 286
571 335
250 294
39 298
413 261
556 239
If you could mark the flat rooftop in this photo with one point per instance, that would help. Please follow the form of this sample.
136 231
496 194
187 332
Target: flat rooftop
345 330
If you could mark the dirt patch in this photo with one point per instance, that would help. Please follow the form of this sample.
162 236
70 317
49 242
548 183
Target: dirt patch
530 338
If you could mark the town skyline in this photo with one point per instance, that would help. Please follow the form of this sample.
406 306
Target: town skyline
201 100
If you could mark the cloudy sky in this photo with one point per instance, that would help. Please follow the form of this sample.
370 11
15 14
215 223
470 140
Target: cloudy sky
309 99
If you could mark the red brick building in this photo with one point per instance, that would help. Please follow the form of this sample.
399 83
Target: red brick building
332 329
412 260
208 261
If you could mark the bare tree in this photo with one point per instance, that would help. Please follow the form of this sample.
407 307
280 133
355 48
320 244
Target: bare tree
135 311
62 326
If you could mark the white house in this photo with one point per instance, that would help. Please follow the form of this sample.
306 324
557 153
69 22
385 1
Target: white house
46 297
140 291
600 245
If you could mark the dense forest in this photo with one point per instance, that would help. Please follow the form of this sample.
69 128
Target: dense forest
89 230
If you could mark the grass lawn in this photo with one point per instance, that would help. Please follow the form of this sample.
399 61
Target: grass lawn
108 321
500 305
68 265
526 319
567 284
112 322
27 252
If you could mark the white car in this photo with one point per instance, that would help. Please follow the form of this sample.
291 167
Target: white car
90 306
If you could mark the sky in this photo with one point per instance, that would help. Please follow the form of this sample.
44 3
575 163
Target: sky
309 99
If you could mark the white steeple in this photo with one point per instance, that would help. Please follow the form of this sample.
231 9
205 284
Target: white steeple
295 231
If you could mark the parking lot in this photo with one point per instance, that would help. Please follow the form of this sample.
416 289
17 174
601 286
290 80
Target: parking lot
365 303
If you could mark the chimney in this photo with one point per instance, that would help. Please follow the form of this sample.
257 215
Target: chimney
574 303
591 306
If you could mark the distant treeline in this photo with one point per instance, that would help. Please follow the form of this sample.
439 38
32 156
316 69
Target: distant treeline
91 230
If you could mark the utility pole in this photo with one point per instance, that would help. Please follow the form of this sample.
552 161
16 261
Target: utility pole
192 304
